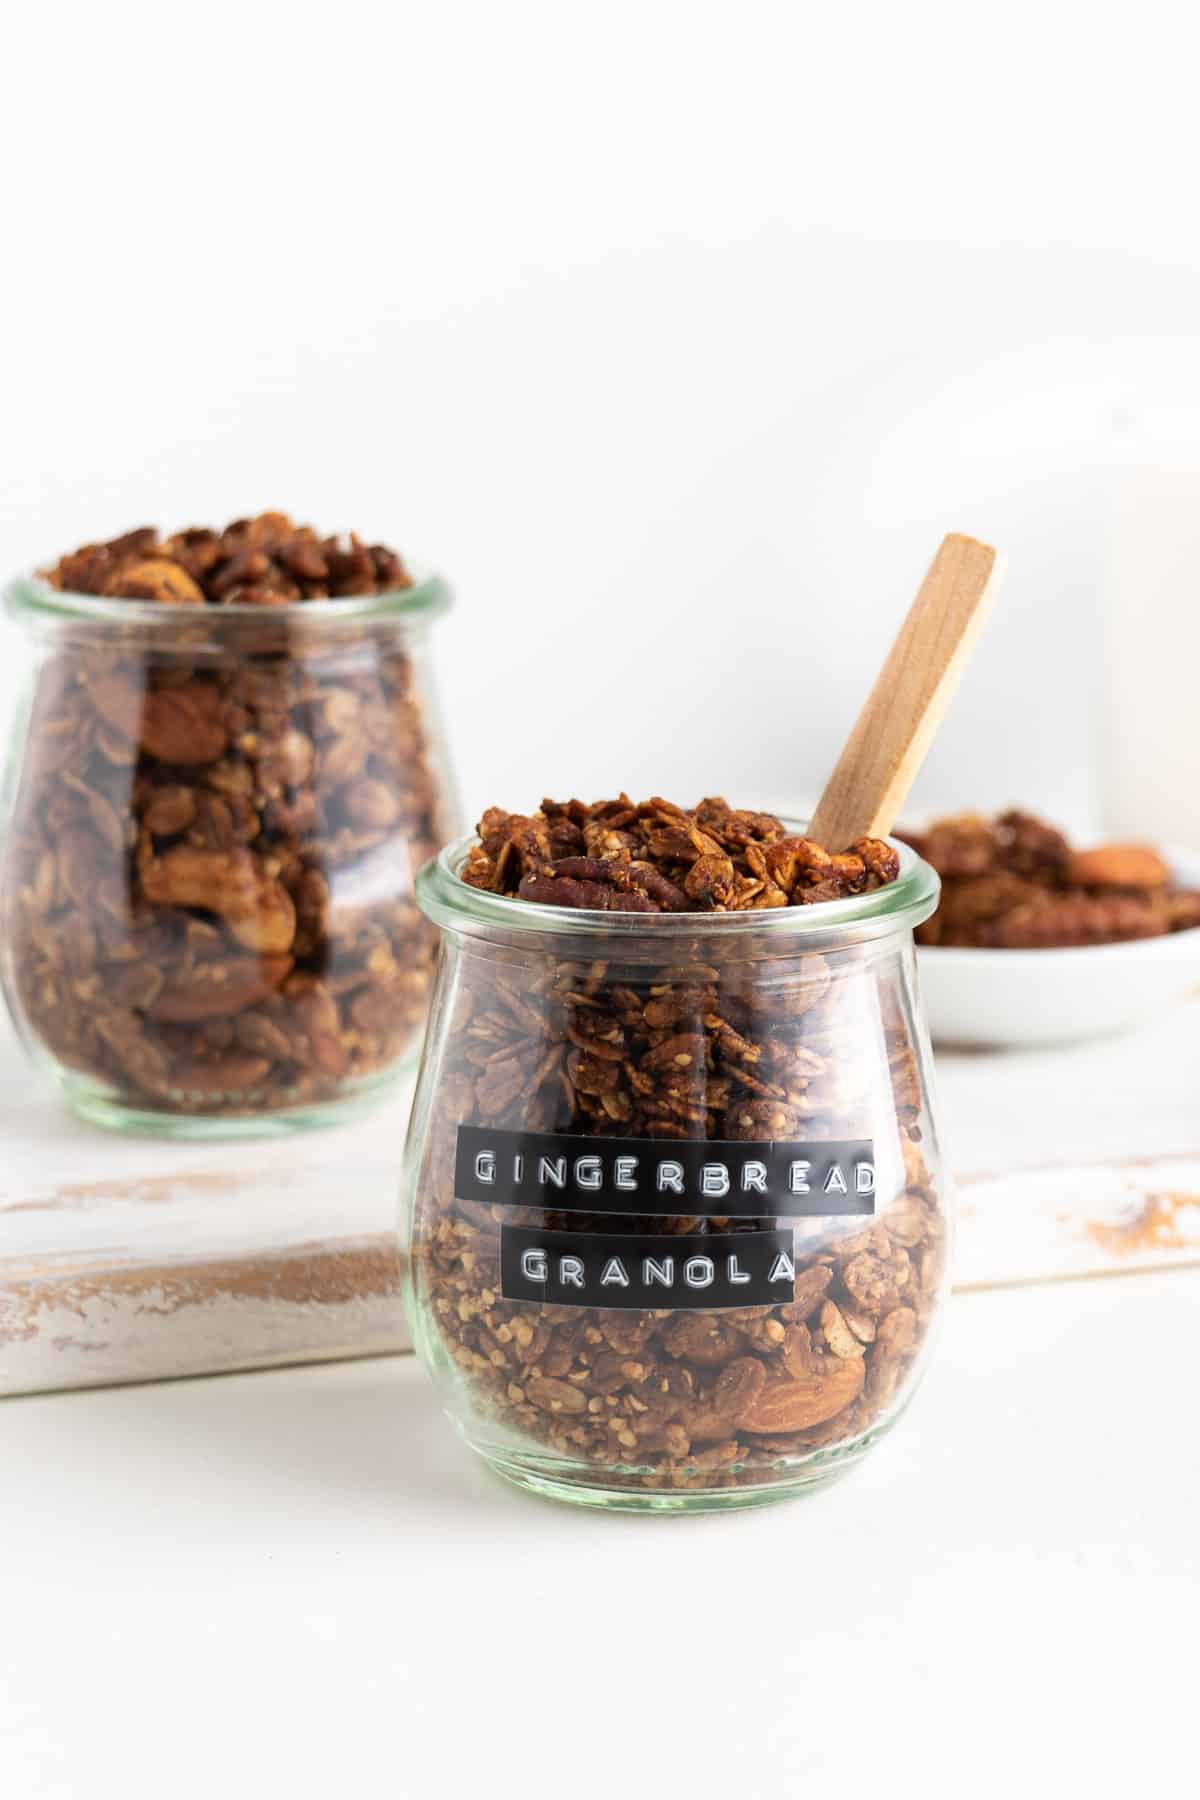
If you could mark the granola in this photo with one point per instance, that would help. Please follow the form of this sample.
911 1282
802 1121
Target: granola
701 1041
208 895
1015 883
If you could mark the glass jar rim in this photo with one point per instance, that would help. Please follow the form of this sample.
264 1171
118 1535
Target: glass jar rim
903 904
29 597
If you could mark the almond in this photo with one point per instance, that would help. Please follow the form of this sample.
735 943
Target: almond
1118 865
798 1404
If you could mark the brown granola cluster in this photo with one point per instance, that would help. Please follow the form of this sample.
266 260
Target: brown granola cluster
208 892
615 856
706 1043
264 561
1015 883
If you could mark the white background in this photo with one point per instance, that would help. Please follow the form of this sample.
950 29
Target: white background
675 335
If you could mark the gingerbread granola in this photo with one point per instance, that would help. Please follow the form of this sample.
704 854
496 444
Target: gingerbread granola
701 1041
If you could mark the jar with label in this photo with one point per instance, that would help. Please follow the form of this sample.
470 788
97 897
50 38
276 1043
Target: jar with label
678 1222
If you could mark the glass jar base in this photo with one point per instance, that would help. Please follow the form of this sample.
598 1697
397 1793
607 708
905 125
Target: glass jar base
553 1480
99 1107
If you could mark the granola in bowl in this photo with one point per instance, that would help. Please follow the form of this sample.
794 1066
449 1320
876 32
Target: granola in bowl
1038 942
1016 883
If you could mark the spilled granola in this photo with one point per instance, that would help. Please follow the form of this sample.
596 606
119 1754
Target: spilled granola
707 1040
208 896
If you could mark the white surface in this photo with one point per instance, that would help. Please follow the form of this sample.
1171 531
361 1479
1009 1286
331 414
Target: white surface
299 1584
1133 1094
678 339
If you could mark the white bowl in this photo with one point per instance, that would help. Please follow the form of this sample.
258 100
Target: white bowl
1013 998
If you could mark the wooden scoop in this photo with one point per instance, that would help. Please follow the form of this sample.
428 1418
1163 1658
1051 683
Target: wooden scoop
912 690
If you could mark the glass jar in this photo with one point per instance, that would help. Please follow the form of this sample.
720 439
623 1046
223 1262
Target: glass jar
678 1225
214 816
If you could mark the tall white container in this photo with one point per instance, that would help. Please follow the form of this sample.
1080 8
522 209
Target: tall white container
1152 660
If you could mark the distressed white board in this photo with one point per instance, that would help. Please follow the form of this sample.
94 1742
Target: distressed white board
134 1259
1089 1219
129 1259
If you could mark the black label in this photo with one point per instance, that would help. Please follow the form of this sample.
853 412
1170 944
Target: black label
602 1268
660 1177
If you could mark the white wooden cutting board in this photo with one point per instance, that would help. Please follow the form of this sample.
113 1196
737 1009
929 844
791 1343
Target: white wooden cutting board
126 1259
133 1259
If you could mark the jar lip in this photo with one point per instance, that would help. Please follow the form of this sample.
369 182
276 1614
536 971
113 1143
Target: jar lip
29 596
904 903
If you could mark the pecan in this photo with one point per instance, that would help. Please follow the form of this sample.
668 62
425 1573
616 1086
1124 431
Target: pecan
218 989
183 725
558 885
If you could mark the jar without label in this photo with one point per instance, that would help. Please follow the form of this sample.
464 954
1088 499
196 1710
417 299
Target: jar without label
214 818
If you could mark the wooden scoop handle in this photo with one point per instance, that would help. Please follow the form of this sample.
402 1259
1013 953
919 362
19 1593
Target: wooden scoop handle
912 690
